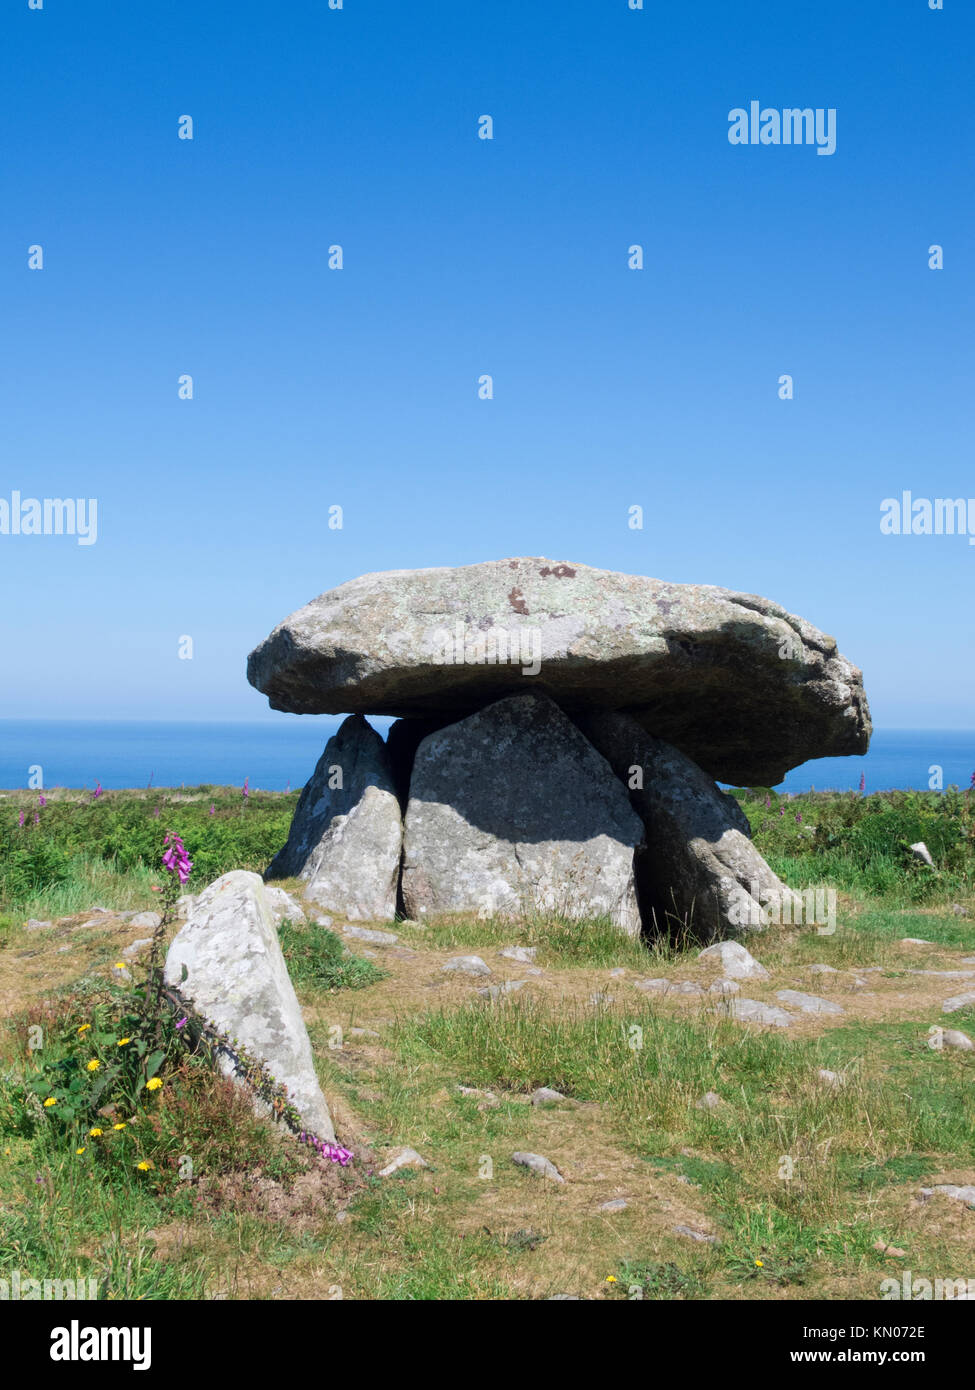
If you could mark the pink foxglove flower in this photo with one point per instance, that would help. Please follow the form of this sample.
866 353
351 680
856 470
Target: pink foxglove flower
175 858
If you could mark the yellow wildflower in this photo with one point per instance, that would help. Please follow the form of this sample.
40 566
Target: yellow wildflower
144 1166
94 1064
154 1084
80 1151
120 1126
95 1133
51 1100
122 1041
759 1264
610 1278
84 1028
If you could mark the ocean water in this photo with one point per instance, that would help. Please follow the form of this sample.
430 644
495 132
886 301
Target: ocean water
274 755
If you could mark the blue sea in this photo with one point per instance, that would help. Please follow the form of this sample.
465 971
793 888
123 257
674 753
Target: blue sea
275 756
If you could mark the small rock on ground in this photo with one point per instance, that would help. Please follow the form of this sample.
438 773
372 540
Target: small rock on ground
404 1158
545 1093
725 987
538 1164
135 948
374 938
524 954
830 1078
950 1037
753 1011
33 924
958 1001
949 1189
148 921
736 962
499 991
808 1003
690 1232
467 965
614 1204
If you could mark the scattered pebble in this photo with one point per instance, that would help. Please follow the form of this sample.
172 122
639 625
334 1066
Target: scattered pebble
362 1033
950 1037
752 1011
148 921
538 1164
545 1093
615 1204
524 954
808 1003
136 947
948 1189
467 965
885 1249
499 991
33 924
692 1234
404 1158
736 962
958 1001
374 938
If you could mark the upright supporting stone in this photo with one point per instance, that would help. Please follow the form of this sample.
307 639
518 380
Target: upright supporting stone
511 811
700 868
347 833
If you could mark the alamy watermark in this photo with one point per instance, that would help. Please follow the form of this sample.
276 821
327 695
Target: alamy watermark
793 125
922 1290
908 515
20 1288
50 516
755 907
492 646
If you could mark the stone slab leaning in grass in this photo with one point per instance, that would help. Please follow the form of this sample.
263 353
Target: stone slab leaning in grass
236 977
513 811
346 835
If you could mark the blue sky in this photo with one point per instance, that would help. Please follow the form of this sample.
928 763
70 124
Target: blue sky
358 387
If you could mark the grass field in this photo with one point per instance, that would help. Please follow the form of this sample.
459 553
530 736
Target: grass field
789 1187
